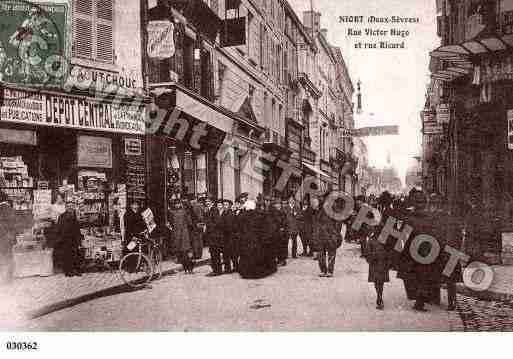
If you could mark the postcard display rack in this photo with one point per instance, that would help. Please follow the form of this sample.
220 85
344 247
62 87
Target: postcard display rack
100 208
30 254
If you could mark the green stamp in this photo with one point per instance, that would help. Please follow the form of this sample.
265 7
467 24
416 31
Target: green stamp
32 43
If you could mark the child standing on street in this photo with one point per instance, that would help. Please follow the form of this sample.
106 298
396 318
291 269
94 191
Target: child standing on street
379 266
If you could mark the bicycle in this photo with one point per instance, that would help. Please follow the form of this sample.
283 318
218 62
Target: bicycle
140 267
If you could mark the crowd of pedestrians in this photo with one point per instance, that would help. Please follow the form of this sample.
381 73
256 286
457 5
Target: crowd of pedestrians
428 217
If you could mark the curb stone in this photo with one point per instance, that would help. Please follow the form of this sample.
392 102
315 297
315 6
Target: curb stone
115 289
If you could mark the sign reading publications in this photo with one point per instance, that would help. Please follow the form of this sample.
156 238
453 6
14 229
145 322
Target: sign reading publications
443 113
510 129
32 40
94 152
66 111
161 43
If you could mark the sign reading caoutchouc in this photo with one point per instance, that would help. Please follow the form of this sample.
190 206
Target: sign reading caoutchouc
95 152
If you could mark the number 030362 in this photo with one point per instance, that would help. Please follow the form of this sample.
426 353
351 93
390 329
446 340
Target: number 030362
21 346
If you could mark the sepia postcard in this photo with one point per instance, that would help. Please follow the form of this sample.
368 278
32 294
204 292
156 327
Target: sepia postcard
255 166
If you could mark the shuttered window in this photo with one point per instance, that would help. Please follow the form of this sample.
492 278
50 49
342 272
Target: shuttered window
93 30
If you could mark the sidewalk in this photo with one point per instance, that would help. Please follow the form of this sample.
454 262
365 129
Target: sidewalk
500 290
28 298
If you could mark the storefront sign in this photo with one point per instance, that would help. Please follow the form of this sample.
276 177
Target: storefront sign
161 43
443 113
133 147
84 77
94 152
18 136
66 111
510 129
375 131
32 40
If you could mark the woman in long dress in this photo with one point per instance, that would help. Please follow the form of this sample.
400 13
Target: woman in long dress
257 258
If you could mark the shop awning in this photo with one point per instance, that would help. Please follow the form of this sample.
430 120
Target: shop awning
458 56
203 112
317 171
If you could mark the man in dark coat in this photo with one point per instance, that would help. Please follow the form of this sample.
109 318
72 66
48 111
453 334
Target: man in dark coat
133 223
419 279
227 231
291 212
305 231
326 235
212 237
71 238
281 231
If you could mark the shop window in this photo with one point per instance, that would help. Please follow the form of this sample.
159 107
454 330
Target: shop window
93 30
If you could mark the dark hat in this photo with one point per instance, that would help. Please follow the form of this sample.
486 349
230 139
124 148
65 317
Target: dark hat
242 196
220 200
227 201
268 198
277 201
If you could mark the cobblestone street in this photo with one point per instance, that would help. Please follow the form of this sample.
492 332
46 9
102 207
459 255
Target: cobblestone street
480 315
294 299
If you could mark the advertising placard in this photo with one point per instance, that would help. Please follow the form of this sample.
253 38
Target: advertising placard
94 152
161 42
69 111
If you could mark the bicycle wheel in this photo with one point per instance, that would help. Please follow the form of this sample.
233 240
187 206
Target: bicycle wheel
157 264
136 270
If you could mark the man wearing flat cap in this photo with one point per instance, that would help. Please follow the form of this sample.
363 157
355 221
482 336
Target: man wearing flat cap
212 236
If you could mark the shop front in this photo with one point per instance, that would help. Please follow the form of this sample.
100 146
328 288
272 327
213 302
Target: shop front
185 149
57 148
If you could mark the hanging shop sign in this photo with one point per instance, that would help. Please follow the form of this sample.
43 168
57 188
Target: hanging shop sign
375 131
32 42
95 152
443 113
66 111
510 129
161 43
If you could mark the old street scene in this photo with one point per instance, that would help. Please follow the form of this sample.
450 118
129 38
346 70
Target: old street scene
256 165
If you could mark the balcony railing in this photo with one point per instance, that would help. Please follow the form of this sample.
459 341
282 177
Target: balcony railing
309 155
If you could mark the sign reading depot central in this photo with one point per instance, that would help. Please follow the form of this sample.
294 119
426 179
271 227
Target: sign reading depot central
67 111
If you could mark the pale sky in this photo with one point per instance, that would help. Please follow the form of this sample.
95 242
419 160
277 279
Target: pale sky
393 81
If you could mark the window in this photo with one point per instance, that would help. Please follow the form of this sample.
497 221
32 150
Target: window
93 30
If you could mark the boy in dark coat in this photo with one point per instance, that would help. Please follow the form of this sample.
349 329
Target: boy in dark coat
379 265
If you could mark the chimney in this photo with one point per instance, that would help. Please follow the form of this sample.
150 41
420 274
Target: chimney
308 16
324 33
